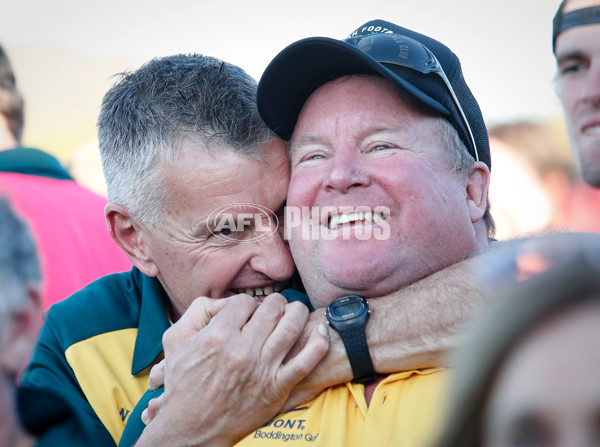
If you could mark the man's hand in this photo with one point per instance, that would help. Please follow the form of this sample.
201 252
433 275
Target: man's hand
193 320
226 369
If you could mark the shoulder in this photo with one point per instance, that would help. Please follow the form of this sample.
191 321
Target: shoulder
110 303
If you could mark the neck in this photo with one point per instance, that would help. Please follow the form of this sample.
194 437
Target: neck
7 139
370 388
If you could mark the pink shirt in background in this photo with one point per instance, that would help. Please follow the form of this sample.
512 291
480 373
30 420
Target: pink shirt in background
67 221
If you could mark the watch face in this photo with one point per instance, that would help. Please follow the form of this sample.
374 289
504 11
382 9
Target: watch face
346 307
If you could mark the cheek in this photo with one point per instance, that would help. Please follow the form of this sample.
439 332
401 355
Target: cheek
438 202
303 187
212 278
568 94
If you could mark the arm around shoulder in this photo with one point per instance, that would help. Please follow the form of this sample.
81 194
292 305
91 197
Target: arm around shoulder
415 335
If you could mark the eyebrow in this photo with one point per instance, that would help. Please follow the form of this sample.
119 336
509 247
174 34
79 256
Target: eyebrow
303 141
570 56
314 139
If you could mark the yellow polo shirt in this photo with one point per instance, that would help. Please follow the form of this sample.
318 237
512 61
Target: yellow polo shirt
405 410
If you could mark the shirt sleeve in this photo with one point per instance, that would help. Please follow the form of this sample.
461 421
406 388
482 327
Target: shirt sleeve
64 417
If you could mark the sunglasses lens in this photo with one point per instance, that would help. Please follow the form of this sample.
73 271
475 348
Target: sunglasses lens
396 49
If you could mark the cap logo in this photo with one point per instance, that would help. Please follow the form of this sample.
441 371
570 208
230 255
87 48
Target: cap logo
366 30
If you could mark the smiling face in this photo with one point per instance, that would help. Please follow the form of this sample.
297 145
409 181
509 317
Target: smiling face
578 86
188 258
547 393
359 145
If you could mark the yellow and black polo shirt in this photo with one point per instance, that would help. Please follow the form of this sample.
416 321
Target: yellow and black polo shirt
96 349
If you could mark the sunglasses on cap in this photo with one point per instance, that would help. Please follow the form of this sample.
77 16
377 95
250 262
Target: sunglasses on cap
402 51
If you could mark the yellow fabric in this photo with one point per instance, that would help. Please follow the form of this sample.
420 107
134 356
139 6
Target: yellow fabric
102 365
405 410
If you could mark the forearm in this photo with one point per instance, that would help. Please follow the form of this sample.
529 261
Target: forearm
412 328
417 326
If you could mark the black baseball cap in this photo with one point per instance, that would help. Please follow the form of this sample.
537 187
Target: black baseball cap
579 17
381 48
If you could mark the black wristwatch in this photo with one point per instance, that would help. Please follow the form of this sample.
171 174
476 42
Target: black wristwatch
348 316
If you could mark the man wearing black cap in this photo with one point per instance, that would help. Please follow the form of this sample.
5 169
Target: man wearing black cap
576 45
382 121
383 118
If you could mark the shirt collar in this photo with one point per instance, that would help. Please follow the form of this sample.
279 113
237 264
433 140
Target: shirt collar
33 162
153 323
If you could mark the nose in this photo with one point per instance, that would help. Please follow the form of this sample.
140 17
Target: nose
591 88
272 258
346 172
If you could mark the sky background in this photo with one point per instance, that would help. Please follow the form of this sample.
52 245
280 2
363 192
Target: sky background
64 52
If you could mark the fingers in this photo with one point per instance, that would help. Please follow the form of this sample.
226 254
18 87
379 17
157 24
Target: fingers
235 365
154 406
265 319
299 366
156 379
286 332
236 311
201 313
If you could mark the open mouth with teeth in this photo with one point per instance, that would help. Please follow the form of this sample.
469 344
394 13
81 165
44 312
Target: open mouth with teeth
592 130
260 292
355 218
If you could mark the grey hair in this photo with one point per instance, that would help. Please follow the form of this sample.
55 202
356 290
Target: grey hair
11 101
150 114
19 261
462 162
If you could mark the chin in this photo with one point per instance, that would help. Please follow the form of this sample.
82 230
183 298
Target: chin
360 280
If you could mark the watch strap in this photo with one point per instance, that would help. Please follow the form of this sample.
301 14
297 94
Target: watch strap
355 342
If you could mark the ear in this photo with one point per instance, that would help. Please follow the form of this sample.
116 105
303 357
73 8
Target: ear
477 191
129 235
18 333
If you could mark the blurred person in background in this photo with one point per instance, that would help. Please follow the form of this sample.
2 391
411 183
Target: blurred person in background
576 45
20 311
536 186
528 374
66 219
520 201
